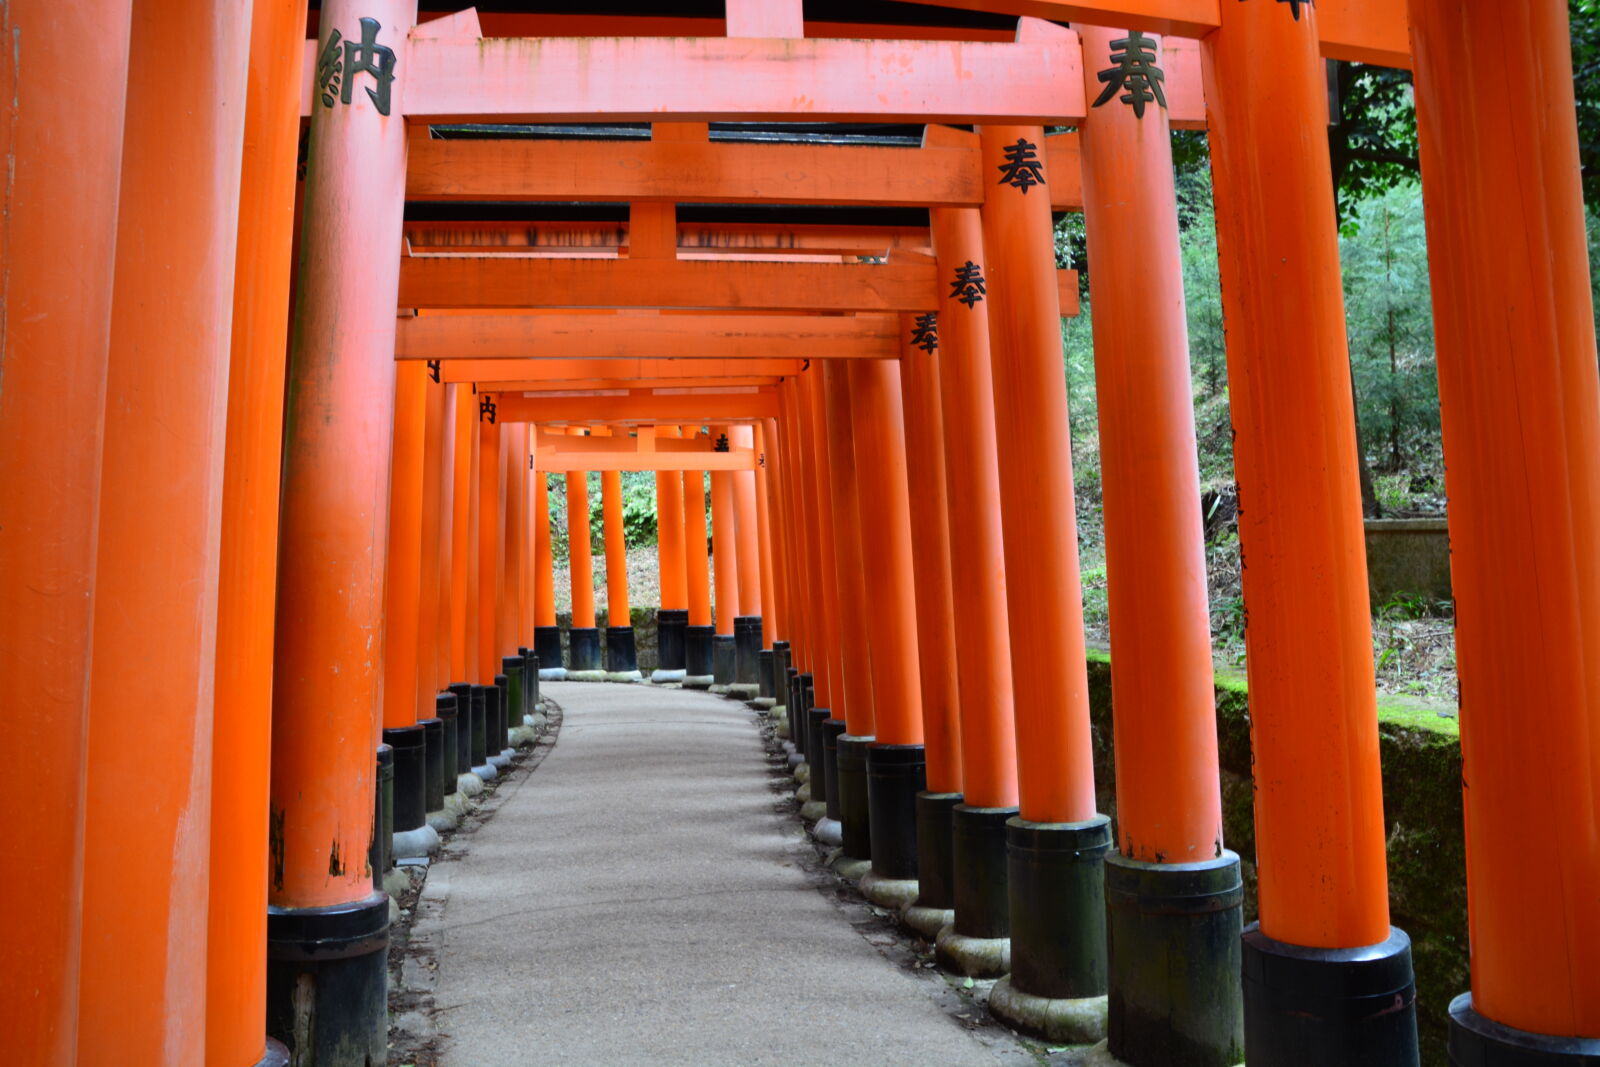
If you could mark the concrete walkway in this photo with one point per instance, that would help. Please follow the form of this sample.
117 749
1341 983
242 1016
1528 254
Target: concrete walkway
640 898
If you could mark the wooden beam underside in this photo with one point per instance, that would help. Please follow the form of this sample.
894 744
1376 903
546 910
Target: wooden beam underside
519 339
669 370
640 407
486 237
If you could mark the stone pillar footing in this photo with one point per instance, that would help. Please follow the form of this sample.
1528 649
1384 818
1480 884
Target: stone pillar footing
850 868
1329 1007
415 844
978 856
975 957
935 865
895 894
277 1055
895 775
1479 1042
327 981
1172 937
1056 880
828 831
1059 1020
926 922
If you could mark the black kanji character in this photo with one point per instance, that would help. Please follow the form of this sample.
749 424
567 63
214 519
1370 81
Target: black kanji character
721 445
486 409
433 369
968 287
1135 69
1294 6
340 61
925 334
1022 168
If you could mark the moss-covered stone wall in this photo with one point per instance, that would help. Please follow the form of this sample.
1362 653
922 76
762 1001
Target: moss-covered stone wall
1421 754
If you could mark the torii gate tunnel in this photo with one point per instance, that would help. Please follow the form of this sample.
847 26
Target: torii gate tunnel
278 414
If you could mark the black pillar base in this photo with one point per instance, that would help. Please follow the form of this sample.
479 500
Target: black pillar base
1057 893
747 647
512 707
621 657
495 705
277 1055
530 679
723 655
828 741
855 821
480 725
380 848
978 855
821 769
1329 1007
672 631
462 691
792 710
547 646
1479 1042
432 764
936 881
1172 937
803 700
447 708
583 648
697 651
766 663
410 776
327 982
895 775
780 670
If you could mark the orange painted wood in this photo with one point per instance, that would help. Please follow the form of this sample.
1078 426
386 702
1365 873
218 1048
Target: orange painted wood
696 561
930 562
403 579
977 547
1169 801
491 534
1313 717
765 18
1035 79
580 563
62 146
475 338
473 578
500 282
617 608
1521 414
514 443
427 679
462 575
1056 760
789 526
860 699
828 667
544 601
772 616
750 404
555 371
146 788
674 579
572 238
652 227
742 439
236 967
724 547
437 511
581 386
884 498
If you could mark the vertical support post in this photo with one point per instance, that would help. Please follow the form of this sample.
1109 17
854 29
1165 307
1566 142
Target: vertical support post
856 633
146 834
489 540
699 633
62 147
622 663
896 768
546 634
672 620
725 570
330 585
583 640
1518 390
747 625
825 715
1313 714
771 653
447 706
1170 858
241 741
461 575
976 937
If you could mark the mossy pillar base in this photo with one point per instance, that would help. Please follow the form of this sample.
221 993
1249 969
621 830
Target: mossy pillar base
515 699
432 764
795 713
697 642
1479 1042
672 634
1056 887
496 702
1172 935
547 646
446 707
747 649
480 726
766 664
583 648
462 691
855 816
327 982
978 854
1329 1007
724 655
621 656
896 774
936 871
821 769
828 742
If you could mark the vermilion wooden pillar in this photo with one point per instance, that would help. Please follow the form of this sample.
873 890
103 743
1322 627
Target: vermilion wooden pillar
62 147
725 570
461 574
774 653
895 764
747 625
1313 717
241 740
583 639
430 678
491 535
146 874
672 620
1521 411
699 632
546 634
971 826
825 720
857 633
330 585
1169 806
622 663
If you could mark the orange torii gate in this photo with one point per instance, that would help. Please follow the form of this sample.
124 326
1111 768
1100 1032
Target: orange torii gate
163 961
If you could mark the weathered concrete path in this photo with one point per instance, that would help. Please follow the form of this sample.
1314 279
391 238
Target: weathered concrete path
638 899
